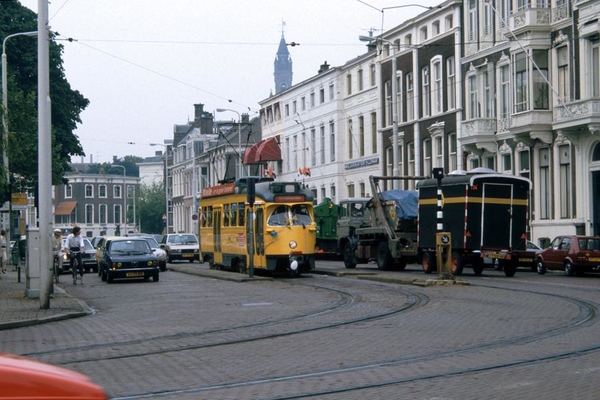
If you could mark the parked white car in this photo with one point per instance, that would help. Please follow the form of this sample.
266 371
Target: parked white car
161 255
181 246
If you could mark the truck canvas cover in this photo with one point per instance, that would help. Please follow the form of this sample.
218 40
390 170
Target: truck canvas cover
407 202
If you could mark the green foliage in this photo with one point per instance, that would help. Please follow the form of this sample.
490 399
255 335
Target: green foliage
151 207
67 104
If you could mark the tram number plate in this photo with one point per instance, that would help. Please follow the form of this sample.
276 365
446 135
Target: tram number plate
133 274
187 255
499 256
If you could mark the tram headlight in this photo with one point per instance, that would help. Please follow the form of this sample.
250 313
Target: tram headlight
293 244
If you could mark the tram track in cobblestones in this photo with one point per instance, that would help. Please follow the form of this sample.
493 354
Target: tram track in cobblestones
316 320
586 317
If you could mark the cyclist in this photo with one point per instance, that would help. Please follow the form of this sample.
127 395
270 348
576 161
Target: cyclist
75 246
58 250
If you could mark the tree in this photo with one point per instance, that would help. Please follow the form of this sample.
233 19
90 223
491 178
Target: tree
151 207
67 104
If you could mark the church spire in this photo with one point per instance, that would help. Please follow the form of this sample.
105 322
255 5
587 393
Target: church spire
283 65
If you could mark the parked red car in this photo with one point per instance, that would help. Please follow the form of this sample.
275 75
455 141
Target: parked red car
24 378
572 254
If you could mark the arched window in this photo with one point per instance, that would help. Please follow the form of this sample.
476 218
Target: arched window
596 155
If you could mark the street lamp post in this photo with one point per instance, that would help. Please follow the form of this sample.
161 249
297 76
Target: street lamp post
5 103
239 163
124 196
166 184
395 147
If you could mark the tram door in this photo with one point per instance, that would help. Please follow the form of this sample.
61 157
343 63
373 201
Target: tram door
217 237
596 202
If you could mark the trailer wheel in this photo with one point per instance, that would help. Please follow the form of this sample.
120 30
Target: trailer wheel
348 255
428 262
458 263
384 257
510 268
478 266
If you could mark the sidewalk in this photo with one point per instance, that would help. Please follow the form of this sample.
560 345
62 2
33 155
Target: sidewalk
17 310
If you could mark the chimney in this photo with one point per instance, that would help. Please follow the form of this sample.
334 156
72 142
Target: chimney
245 118
324 67
198 112
158 153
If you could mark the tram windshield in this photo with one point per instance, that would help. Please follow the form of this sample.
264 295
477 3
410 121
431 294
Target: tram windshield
283 215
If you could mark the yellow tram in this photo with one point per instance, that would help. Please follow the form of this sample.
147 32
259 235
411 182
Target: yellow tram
280 224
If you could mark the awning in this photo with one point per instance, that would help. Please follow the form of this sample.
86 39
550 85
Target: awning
65 208
263 151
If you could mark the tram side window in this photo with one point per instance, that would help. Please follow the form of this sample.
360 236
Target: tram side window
203 217
234 214
241 213
225 214
209 216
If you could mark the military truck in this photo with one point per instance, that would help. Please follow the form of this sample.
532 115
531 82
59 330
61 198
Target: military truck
382 228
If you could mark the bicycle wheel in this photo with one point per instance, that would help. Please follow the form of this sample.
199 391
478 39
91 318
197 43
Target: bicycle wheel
74 270
56 270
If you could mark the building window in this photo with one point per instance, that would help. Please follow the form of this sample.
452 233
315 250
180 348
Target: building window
427 157
117 191
504 7
473 106
331 92
595 69
545 181
372 75
524 163
452 154
426 91
295 150
68 191
399 105
118 214
474 162
288 152
506 163
435 27
322 96
102 214
521 82
287 110
439 152
350 188
410 97
408 40
350 139
504 91
449 22
313 147
89 214
102 191
437 90
489 162
312 100
541 96
332 141
472 27
487 19
303 104
410 147
564 91
294 107
390 161
361 136
388 103
333 194
374 133
451 82
359 79
322 139
89 191
488 99
566 182
348 84
423 34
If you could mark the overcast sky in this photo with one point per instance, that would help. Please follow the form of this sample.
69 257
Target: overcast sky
143 64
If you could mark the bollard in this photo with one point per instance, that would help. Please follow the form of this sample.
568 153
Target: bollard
443 243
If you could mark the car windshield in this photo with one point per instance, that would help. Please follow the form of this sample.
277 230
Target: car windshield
182 239
151 242
129 247
88 246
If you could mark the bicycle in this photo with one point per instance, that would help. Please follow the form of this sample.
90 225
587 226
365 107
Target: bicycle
56 267
76 262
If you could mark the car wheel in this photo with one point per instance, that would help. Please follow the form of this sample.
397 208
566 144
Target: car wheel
510 269
540 267
192 260
569 269
156 277
109 277
428 262
163 267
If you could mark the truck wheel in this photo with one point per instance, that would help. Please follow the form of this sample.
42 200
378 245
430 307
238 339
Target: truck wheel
458 263
384 258
400 265
349 257
510 268
478 267
428 262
